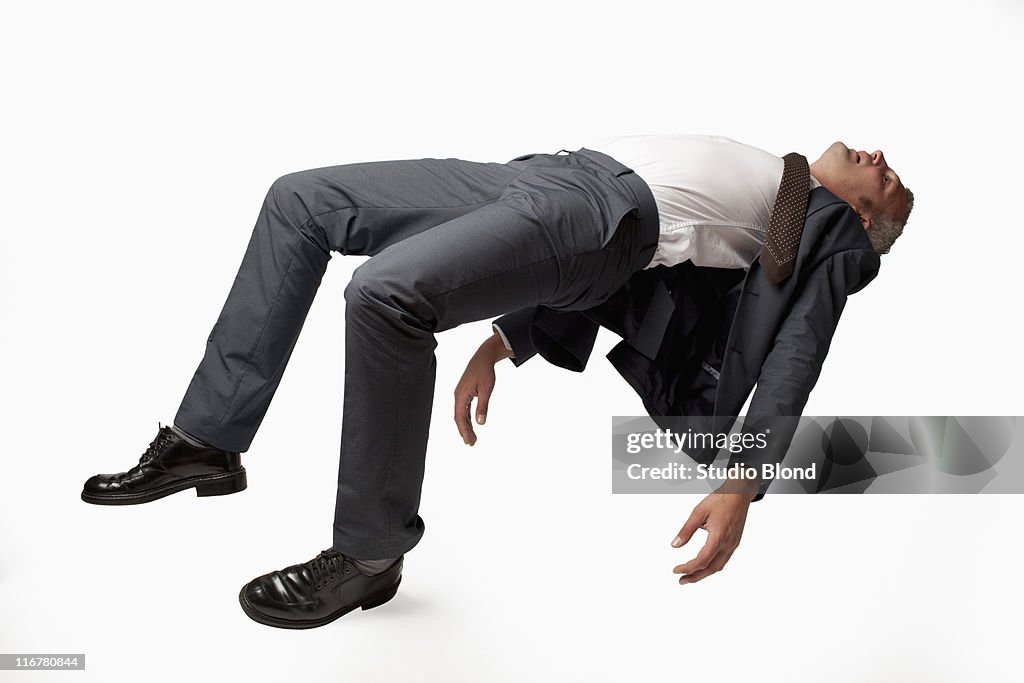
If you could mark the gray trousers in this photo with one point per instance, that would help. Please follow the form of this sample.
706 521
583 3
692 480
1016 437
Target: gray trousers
451 241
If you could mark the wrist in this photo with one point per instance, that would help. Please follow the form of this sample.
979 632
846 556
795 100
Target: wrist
747 488
498 350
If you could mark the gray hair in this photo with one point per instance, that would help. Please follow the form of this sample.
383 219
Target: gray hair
884 229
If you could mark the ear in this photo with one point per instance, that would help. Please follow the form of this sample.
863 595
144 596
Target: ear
865 220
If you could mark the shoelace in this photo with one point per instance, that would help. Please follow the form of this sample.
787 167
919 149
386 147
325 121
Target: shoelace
156 446
325 567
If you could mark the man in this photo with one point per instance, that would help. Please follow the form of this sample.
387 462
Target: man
550 242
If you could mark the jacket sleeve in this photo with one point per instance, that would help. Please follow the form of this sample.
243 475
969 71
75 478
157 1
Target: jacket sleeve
515 330
794 362
563 338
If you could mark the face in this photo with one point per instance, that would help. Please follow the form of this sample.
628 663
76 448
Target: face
864 180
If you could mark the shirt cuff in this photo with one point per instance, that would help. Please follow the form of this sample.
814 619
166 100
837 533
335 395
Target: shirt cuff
504 339
514 328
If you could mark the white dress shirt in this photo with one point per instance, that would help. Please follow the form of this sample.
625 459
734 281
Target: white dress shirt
714 195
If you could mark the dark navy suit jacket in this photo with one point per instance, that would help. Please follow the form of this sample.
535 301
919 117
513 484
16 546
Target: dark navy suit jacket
697 340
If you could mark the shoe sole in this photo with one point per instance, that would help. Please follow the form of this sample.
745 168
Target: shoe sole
210 485
371 601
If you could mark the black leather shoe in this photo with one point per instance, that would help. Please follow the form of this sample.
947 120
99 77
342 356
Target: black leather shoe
317 592
169 465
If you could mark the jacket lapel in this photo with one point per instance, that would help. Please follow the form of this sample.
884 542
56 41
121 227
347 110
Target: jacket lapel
759 313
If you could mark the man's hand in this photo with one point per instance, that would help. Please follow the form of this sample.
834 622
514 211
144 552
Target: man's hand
477 381
722 514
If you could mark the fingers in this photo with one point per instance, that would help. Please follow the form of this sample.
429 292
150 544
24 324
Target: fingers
713 567
711 559
707 555
477 382
463 399
482 400
696 519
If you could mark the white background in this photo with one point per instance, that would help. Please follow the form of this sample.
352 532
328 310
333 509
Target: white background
138 143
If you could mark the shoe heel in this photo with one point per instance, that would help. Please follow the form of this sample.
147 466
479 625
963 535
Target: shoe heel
222 487
380 598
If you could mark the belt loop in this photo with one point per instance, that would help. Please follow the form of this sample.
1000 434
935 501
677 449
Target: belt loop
563 150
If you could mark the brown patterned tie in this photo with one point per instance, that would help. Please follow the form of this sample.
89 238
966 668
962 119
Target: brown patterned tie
782 242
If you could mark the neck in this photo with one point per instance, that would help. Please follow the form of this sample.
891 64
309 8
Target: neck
814 173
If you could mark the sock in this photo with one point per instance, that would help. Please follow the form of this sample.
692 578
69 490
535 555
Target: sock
373 567
189 438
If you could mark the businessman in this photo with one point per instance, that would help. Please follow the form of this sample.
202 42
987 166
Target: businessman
665 239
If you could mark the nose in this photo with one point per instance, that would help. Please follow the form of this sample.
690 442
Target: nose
877 157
